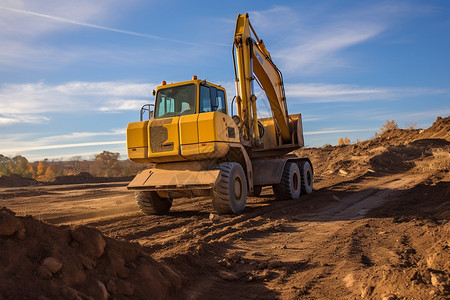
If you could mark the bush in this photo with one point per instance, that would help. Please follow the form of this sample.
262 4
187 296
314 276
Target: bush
390 125
344 141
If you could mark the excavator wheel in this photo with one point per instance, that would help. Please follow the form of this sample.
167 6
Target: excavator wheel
257 189
230 193
290 185
307 177
150 203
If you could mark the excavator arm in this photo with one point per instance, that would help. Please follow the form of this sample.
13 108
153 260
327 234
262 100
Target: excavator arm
253 59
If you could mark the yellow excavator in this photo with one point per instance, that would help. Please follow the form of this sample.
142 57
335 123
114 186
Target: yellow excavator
198 149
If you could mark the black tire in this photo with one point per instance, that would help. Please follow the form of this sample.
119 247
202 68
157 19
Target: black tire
230 193
257 189
307 177
150 203
290 185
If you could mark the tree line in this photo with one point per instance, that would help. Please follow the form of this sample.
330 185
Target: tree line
105 164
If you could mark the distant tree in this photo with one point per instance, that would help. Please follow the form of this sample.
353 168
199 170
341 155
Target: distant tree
77 166
390 125
40 169
105 163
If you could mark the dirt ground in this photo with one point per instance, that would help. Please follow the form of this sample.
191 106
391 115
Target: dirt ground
375 227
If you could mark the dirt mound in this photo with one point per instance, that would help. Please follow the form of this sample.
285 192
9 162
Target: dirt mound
439 130
393 151
85 177
40 261
15 180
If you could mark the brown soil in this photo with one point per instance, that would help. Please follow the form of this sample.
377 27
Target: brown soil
15 180
376 227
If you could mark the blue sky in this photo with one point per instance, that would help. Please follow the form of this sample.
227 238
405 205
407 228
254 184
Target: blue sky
73 74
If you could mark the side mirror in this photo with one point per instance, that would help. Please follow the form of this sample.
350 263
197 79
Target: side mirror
149 108
153 92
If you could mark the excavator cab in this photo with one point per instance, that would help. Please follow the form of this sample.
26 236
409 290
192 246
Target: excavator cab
190 122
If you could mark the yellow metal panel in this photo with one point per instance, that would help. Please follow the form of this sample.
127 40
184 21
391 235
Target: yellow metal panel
137 134
188 129
213 149
206 128
269 137
216 126
138 154
189 150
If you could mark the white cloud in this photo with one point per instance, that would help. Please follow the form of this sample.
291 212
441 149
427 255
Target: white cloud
15 118
337 131
123 104
320 52
314 41
11 144
89 25
407 116
319 92
17 101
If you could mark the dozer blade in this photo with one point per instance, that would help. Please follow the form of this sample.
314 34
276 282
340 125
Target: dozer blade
168 180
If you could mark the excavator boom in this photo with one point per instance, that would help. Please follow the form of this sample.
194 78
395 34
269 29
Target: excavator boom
252 58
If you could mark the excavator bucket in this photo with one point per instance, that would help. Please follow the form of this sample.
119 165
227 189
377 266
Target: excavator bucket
172 180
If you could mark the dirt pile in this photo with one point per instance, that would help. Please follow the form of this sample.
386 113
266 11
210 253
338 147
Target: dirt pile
41 261
381 259
15 180
392 152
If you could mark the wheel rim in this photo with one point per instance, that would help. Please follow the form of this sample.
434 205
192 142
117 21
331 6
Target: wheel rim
238 188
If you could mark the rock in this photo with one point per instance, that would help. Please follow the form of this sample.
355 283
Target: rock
52 264
97 290
69 293
278 227
389 297
87 262
274 264
9 224
111 287
125 288
262 265
437 278
225 263
44 273
21 234
214 217
227 275
367 291
343 172
90 240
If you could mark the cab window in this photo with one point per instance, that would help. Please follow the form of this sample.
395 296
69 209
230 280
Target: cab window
221 106
175 101
211 99
205 99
